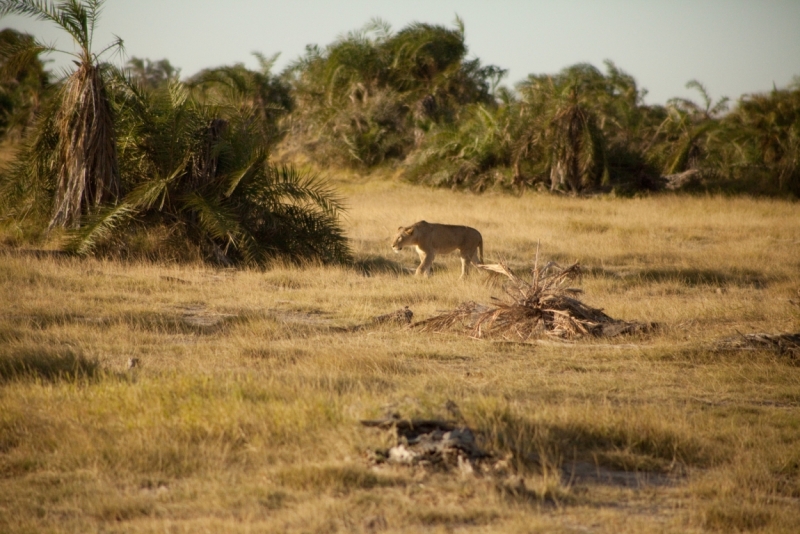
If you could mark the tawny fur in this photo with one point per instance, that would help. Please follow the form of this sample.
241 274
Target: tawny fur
431 239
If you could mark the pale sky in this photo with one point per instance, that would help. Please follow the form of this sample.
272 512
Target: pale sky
733 47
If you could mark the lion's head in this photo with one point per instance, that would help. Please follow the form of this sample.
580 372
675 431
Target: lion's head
405 236
411 235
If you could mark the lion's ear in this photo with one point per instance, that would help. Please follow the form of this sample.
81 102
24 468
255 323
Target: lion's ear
408 231
400 228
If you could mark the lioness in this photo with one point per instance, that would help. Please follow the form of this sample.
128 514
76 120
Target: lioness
431 239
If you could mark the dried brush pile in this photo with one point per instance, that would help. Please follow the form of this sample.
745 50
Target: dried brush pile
544 307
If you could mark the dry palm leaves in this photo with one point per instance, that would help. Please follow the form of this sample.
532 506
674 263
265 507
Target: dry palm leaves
545 306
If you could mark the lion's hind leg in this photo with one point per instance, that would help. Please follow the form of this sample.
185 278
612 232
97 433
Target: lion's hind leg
467 259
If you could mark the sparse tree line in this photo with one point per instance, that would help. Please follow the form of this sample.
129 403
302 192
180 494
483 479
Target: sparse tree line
133 160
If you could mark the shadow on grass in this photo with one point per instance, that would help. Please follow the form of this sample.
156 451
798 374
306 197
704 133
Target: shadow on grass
342 479
740 349
617 452
687 277
203 323
372 265
188 322
45 364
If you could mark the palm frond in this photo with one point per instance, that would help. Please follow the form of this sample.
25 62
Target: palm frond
266 63
214 218
694 84
38 9
300 233
118 45
148 193
233 179
286 183
99 226
17 55
543 306
26 186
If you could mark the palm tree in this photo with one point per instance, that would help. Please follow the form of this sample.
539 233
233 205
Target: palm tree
167 165
559 129
202 175
264 94
765 129
23 82
153 74
559 126
371 95
347 111
578 146
83 169
688 129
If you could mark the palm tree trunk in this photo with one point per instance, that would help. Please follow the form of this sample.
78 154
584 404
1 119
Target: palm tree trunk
87 173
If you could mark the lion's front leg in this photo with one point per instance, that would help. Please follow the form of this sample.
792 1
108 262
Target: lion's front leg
425 262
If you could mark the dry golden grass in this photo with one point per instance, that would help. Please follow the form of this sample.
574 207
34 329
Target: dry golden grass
243 415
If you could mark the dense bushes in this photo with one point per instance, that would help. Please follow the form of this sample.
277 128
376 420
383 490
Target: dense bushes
372 95
113 157
581 130
412 99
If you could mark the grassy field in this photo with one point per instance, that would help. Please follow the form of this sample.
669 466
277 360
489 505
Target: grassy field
244 412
